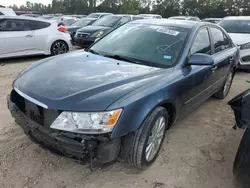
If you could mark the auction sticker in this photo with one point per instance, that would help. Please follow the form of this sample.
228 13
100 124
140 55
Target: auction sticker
168 31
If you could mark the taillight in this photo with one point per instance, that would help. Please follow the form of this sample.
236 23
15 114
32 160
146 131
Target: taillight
62 29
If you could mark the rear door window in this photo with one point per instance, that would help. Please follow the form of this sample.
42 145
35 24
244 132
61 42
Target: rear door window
201 43
220 40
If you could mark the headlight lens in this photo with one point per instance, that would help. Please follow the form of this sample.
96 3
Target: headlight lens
245 46
87 122
97 34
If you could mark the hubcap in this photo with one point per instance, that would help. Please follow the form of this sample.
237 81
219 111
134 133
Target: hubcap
59 48
155 138
228 83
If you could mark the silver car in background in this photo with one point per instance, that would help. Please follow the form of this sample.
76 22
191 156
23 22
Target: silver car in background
238 28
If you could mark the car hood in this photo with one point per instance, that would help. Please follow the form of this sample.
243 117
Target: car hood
240 38
92 28
81 81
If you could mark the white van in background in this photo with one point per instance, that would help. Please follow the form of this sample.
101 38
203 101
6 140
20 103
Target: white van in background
7 12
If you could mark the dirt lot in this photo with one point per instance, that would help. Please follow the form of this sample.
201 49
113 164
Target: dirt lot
198 151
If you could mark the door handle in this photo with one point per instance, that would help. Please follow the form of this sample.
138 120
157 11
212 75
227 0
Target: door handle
214 68
29 35
231 59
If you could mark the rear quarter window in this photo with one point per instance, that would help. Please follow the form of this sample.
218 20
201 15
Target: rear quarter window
35 25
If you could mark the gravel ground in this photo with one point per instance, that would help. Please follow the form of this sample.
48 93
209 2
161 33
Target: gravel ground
198 151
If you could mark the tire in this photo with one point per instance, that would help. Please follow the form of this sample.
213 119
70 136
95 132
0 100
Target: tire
138 155
223 92
241 167
59 47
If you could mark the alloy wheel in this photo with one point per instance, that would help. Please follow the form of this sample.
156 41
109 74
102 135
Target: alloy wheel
155 138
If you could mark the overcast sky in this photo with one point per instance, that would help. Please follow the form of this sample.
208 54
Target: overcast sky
21 2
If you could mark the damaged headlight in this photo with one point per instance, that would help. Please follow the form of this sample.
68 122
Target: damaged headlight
245 46
87 122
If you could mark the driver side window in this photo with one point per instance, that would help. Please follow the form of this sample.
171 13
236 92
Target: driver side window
201 43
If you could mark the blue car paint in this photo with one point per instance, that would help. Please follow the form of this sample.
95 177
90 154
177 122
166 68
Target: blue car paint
138 89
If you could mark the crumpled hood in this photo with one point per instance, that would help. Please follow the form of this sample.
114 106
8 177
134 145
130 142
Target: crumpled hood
239 38
81 81
93 28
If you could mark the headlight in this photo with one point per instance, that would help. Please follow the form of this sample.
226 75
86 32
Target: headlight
245 46
87 122
97 34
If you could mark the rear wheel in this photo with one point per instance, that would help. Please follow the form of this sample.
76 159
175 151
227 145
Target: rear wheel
148 139
241 167
59 47
223 92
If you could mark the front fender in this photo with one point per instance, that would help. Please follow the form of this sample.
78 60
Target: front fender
136 112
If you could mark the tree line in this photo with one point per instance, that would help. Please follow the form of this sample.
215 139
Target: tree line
166 8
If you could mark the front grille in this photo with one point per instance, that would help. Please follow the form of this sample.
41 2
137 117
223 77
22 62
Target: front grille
42 116
82 35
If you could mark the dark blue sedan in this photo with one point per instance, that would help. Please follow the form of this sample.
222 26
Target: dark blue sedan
118 98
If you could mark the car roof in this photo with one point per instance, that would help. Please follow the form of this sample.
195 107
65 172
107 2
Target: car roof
149 14
237 18
22 17
213 19
101 13
174 23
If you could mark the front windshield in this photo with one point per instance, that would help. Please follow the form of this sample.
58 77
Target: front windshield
93 15
151 45
107 21
236 26
81 22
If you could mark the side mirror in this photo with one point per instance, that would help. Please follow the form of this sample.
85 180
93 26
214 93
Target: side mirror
201 59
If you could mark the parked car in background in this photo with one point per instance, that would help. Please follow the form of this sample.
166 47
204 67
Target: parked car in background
212 20
86 36
65 20
121 95
28 12
7 12
33 15
79 24
157 16
77 16
23 36
191 18
98 15
238 28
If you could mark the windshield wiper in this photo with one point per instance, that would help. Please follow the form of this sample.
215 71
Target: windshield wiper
122 58
92 51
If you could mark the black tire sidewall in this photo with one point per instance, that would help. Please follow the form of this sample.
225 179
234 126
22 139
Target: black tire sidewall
162 112
233 73
51 51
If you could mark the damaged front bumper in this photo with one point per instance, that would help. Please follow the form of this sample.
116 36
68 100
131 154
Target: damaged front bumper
77 146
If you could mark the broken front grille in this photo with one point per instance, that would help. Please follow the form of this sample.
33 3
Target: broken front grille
40 115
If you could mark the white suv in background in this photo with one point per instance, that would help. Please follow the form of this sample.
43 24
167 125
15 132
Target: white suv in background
24 36
7 12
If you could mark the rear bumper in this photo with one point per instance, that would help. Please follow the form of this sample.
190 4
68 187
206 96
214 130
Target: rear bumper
83 42
77 146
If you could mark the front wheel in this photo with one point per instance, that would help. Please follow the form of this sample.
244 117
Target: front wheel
223 92
148 139
59 47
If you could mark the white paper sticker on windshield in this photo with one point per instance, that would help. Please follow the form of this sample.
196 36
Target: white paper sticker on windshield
168 31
